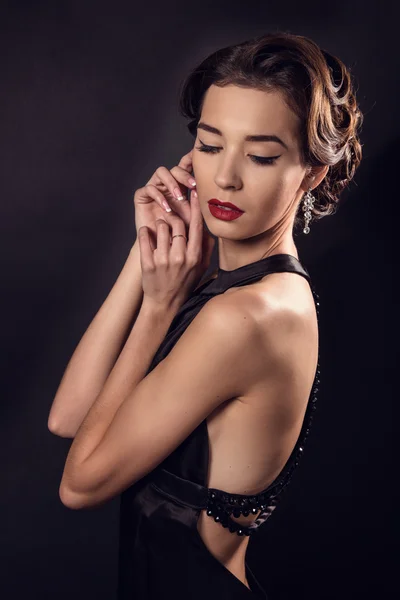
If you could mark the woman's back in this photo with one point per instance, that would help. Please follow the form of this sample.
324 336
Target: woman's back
251 437
180 525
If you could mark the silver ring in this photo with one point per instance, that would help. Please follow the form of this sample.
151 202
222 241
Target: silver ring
178 235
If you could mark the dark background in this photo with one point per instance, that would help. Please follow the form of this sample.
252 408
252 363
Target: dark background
88 110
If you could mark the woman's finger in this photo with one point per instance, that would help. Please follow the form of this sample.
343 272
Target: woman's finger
184 177
172 179
194 245
163 177
146 252
185 166
178 244
186 161
151 191
161 255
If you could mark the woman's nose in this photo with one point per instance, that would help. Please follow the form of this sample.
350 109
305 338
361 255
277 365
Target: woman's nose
227 177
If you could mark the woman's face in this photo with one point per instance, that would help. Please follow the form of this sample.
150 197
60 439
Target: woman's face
267 193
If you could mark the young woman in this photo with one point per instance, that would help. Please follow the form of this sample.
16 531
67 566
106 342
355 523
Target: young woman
193 399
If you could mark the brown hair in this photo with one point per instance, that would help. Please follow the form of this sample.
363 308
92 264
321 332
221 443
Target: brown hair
316 85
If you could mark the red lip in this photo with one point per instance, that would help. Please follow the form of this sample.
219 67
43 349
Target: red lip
227 204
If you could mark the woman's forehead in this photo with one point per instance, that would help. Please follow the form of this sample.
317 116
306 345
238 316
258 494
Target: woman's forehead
239 112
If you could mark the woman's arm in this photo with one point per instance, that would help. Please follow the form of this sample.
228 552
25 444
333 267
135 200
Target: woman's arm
139 419
98 350
147 334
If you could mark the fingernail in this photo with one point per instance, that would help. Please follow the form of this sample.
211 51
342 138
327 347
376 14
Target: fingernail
195 193
167 207
192 181
178 194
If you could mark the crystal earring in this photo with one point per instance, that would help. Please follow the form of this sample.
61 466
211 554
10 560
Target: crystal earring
308 205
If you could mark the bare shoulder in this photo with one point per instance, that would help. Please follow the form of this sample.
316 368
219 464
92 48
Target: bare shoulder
273 320
282 309
277 295
228 325
231 316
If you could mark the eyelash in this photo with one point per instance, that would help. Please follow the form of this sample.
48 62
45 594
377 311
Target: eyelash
259 160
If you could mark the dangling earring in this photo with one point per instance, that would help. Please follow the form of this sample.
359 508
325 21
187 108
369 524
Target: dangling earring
308 205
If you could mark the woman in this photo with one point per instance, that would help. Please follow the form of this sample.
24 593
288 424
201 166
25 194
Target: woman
200 418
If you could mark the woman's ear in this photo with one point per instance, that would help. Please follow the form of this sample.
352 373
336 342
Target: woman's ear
314 177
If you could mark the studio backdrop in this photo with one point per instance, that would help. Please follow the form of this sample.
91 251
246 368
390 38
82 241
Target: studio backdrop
88 111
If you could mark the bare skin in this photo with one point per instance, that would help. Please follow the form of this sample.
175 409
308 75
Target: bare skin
267 415
269 195
265 444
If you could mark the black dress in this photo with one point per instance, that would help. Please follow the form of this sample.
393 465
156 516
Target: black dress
161 553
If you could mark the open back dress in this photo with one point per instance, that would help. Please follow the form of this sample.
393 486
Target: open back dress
161 553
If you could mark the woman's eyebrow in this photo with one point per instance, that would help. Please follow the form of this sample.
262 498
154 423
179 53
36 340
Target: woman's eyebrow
248 138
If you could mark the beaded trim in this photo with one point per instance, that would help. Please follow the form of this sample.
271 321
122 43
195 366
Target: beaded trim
220 504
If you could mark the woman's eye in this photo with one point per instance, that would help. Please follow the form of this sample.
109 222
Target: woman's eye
260 160
204 148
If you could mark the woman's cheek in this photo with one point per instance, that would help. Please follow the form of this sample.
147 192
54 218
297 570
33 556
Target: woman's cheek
293 178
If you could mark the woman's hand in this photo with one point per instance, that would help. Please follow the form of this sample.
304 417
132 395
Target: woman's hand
163 187
172 270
